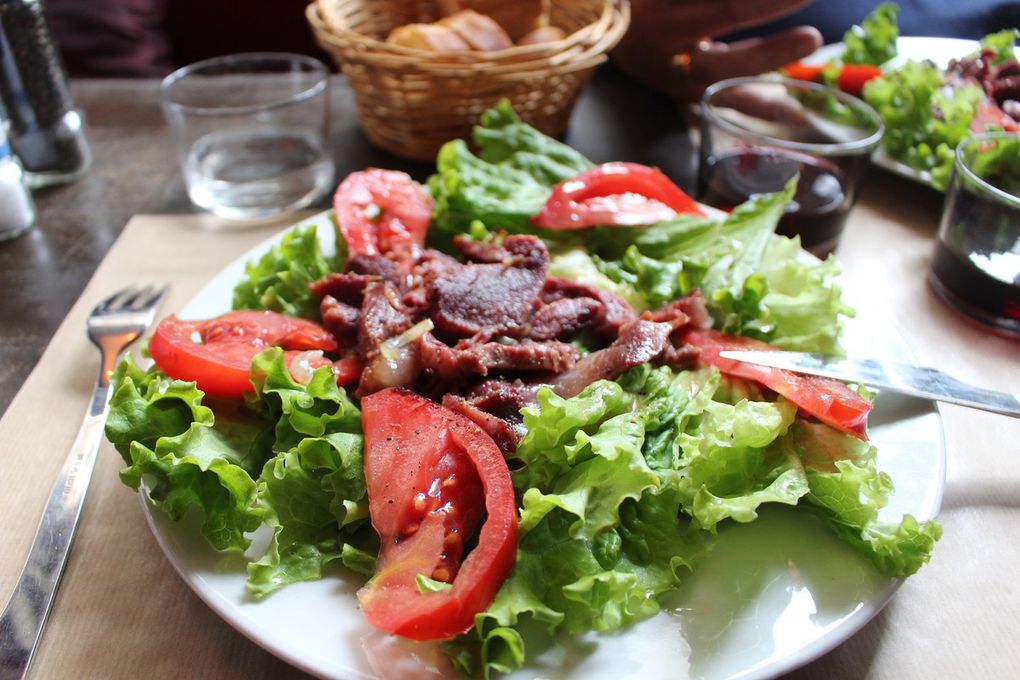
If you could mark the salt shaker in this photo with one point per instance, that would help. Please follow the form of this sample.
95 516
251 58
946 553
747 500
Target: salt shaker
46 132
16 210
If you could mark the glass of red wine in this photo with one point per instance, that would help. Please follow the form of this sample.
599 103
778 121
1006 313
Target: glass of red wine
759 132
976 265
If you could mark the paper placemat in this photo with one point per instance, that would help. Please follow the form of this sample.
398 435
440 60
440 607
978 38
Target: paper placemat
122 611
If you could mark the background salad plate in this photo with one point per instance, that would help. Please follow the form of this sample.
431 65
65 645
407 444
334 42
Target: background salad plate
939 51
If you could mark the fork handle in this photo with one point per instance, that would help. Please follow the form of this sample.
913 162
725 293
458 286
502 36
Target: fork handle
22 621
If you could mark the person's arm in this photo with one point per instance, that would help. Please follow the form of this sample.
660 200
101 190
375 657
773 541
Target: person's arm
669 43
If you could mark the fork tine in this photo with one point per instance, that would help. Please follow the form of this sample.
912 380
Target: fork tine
137 294
150 300
116 298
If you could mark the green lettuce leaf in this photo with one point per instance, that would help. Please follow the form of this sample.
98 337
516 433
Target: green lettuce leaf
313 492
278 281
192 457
874 40
1003 43
289 457
848 490
506 183
623 485
924 121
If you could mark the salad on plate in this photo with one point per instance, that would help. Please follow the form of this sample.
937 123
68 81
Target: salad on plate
929 105
500 402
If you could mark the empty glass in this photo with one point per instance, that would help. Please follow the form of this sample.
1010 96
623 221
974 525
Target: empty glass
252 132
976 266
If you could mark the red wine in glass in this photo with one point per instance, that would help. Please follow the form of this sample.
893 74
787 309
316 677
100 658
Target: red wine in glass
976 267
819 207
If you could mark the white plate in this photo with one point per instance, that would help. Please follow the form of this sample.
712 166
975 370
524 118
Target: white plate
769 597
937 50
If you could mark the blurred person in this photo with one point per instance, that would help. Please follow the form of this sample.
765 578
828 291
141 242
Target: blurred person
677 46
682 46
670 45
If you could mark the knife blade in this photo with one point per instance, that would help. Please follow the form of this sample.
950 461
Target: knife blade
916 381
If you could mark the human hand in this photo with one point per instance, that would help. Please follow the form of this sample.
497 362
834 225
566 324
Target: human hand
669 45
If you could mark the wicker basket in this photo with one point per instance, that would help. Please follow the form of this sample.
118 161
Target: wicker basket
411 101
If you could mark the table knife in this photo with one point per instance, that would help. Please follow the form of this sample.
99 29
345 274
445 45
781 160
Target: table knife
915 381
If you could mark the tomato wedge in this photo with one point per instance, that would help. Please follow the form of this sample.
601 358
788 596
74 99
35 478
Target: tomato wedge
988 116
430 473
381 212
614 194
830 401
852 77
798 70
216 353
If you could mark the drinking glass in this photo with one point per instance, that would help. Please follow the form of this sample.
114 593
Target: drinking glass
976 265
252 132
759 132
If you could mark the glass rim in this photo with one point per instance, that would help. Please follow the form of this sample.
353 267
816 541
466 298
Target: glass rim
857 146
314 68
960 165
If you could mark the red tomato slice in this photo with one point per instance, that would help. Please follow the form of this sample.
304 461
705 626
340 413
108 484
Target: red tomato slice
830 401
988 116
216 353
852 77
430 474
614 194
798 70
382 211
348 369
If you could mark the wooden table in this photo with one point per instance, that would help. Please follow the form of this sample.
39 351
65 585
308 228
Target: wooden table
955 617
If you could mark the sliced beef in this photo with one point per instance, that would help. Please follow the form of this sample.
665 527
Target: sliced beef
346 288
506 436
375 265
681 358
480 251
639 342
382 318
504 398
618 311
562 318
688 310
457 363
340 319
426 269
495 405
679 314
489 299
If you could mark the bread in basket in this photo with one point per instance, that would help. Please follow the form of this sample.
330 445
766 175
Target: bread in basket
411 101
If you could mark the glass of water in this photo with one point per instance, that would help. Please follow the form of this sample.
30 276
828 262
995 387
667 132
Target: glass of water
252 132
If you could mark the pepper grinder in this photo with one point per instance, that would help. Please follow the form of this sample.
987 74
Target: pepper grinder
46 131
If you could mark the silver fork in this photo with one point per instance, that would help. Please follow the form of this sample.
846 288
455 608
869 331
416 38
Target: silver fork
114 324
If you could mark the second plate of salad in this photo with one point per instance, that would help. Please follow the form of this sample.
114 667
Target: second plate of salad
930 92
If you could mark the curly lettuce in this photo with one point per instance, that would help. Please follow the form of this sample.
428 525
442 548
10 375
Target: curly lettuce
506 183
874 40
623 485
278 281
290 457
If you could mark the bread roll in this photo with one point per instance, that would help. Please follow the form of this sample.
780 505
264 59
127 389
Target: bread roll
477 30
427 37
543 34
517 17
